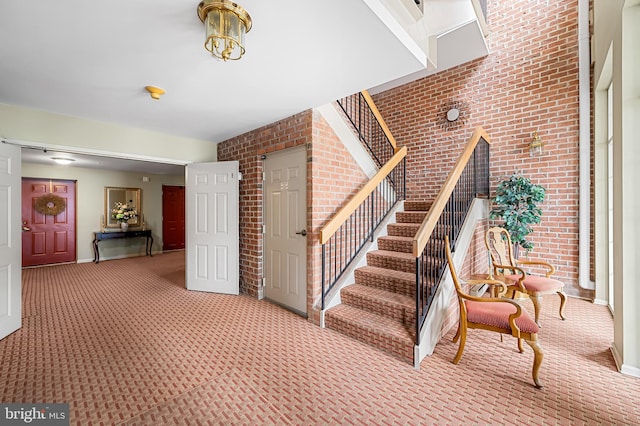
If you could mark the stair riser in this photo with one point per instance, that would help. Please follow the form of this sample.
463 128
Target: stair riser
400 348
381 261
399 313
417 206
395 245
410 217
384 282
402 231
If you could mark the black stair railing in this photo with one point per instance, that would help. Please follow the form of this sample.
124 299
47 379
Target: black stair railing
468 179
347 233
369 126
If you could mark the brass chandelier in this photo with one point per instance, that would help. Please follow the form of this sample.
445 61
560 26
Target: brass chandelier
225 23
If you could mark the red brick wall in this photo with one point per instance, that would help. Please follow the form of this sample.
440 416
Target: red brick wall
528 83
335 177
247 149
332 176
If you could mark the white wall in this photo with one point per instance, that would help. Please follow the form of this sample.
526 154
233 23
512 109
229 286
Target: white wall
90 205
55 130
617 25
43 127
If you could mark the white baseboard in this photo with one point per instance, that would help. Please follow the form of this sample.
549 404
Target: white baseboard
623 368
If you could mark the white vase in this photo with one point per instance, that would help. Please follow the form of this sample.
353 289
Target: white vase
124 226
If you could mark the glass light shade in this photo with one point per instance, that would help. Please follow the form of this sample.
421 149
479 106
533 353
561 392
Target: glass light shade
536 147
226 24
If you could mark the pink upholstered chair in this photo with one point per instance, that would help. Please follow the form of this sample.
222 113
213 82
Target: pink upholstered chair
499 315
498 242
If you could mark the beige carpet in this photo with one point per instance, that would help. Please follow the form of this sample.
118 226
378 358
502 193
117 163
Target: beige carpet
124 343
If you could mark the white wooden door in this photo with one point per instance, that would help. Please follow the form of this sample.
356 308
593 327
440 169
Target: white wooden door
285 218
212 227
10 240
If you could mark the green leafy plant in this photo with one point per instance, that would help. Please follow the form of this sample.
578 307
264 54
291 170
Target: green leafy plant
516 202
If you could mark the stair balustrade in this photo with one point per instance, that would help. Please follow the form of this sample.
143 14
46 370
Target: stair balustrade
346 234
468 179
371 129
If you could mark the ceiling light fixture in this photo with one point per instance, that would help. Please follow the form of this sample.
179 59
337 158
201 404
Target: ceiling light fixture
155 92
225 23
62 160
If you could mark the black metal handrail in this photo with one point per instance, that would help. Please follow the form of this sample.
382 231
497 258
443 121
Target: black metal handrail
431 263
368 128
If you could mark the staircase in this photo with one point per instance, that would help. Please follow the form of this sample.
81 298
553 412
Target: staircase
380 307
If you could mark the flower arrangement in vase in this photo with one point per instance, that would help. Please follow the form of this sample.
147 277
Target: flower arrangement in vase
122 213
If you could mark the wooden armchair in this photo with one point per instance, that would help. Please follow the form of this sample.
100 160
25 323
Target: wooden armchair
498 242
503 316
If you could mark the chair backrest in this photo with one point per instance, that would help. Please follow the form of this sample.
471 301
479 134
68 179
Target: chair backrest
498 242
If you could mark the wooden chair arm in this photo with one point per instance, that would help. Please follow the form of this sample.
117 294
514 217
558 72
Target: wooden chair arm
549 266
493 299
515 269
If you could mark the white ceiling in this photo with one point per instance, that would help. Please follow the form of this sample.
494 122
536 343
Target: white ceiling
92 60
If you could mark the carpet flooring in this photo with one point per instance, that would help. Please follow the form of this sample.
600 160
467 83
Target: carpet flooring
124 343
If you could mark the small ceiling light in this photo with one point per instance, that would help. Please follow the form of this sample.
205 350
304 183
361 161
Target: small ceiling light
62 160
225 23
536 145
155 92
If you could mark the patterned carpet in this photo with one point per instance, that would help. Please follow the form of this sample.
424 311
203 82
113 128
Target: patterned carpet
124 343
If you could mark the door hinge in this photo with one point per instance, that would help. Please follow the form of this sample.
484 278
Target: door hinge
264 176
264 282
264 229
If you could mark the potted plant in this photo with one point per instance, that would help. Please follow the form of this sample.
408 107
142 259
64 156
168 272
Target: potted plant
516 202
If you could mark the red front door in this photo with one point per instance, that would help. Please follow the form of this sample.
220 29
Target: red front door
172 217
48 221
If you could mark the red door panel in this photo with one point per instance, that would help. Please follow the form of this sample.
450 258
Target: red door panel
48 239
172 217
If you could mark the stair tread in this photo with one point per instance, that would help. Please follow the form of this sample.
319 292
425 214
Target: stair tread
381 295
364 319
389 272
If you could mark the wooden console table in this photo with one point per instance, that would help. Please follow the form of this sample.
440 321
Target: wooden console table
99 236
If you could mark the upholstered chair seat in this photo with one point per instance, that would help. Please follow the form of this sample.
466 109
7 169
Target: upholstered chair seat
497 314
536 283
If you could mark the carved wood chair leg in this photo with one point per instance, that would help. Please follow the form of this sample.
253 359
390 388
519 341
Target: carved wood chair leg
538 355
463 339
563 301
537 302
520 345
457 336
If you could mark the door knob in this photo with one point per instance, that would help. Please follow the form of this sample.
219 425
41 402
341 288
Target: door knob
303 233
